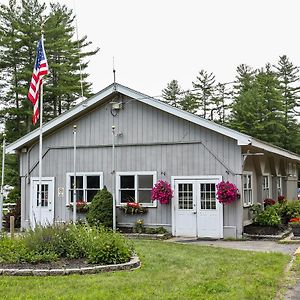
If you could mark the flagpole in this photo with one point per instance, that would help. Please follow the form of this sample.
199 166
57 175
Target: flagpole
41 138
2 183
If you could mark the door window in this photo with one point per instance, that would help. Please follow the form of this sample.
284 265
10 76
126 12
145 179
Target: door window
208 195
44 200
185 196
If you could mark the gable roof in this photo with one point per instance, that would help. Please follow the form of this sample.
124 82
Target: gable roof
100 97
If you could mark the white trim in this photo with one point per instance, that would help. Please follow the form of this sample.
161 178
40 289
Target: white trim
275 149
84 174
242 139
84 105
135 174
281 185
32 179
269 184
243 198
217 178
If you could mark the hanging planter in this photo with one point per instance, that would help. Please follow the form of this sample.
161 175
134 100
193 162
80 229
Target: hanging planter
162 192
227 192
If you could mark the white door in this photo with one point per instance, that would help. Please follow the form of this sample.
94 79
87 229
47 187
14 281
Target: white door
43 215
197 213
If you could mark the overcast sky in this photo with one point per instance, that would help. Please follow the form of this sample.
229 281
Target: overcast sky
156 41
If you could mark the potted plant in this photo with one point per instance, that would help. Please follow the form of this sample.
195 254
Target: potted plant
162 192
295 224
227 192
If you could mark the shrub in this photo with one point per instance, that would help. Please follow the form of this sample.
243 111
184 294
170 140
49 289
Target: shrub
288 210
269 202
268 217
139 226
97 245
100 210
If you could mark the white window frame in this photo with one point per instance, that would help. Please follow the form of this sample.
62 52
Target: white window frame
269 187
84 174
250 202
279 186
135 174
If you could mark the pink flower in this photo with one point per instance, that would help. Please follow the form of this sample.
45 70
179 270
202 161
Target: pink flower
162 192
227 192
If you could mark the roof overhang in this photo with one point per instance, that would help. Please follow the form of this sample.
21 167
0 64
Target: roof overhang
97 99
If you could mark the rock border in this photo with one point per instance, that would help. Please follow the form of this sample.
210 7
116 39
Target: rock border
147 236
134 263
267 237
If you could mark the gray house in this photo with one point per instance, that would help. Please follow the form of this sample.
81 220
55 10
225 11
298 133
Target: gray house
152 141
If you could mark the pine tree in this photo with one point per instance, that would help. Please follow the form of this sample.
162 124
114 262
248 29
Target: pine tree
172 93
189 103
288 76
221 96
257 108
20 31
205 87
65 58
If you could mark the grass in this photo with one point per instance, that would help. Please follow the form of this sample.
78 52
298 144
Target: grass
169 271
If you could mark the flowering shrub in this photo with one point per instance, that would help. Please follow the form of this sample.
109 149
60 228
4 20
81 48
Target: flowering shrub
281 199
162 192
133 208
139 226
81 206
269 202
295 222
227 192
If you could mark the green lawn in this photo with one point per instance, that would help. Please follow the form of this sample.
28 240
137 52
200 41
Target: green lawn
169 271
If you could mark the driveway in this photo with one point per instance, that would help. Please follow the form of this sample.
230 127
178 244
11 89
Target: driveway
261 246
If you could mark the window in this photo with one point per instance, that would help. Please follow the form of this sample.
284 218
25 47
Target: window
135 187
279 185
185 196
208 195
247 189
266 187
87 185
44 195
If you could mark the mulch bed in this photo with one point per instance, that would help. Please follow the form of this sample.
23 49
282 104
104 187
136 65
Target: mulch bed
60 264
264 230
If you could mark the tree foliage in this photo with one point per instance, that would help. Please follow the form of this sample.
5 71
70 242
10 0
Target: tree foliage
20 30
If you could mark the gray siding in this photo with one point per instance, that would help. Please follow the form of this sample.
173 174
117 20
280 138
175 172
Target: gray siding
151 140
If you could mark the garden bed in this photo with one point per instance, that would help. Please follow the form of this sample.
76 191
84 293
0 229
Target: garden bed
266 232
64 267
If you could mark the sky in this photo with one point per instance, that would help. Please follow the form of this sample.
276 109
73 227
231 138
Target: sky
155 41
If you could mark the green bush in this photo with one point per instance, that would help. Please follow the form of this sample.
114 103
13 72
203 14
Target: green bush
268 217
101 209
96 245
288 210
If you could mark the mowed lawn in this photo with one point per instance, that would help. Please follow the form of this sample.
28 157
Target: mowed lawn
169 271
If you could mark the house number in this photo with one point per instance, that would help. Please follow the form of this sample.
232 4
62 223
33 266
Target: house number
60 191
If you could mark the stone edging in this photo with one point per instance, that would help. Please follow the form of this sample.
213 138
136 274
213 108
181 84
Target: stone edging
147 236
267 237
134 263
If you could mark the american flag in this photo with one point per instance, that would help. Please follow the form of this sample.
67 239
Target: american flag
40 69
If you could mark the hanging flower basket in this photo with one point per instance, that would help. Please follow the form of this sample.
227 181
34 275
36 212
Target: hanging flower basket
162 192
227 192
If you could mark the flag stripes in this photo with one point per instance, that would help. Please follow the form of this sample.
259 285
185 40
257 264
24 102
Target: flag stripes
40 69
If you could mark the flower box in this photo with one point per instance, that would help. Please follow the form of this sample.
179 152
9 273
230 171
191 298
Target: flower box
133 208
295 225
